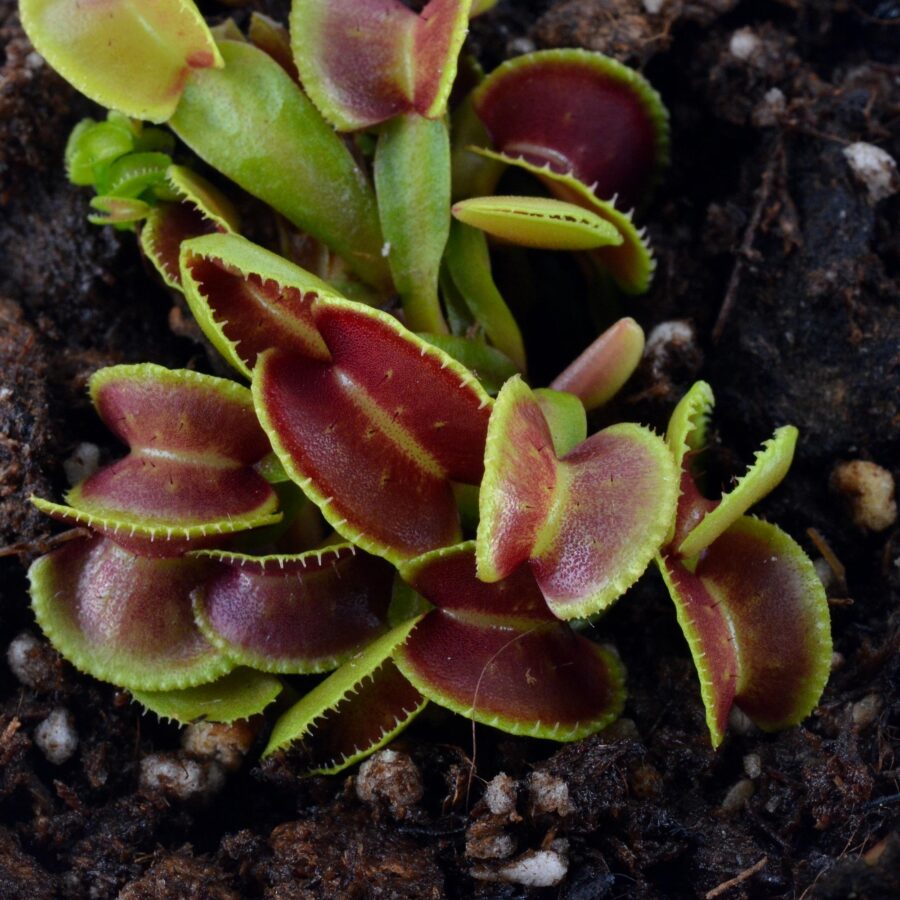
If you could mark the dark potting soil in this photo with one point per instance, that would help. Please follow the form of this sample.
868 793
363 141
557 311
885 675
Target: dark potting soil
782 277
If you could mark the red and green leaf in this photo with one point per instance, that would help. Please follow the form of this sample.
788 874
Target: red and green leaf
365 61
194 440
699 520
125 618
386 425
133 57
581 114
303 613
497 654
601 370
756 619
589 523
353 712
247 299
202 209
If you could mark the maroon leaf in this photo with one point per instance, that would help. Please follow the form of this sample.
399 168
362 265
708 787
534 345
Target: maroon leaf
497 654
755 616
125 618
589 523
193 440
302 613
375 436
364 61
580 113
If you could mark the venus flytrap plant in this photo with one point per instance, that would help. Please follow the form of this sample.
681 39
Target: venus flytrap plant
204 574
747 597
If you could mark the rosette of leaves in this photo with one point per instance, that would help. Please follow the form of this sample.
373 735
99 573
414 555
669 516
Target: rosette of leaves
143 601
748 598
197 583
494 653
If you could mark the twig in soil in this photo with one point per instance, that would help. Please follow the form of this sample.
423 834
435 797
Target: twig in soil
738 879
42 545
745 251
882 801
837 567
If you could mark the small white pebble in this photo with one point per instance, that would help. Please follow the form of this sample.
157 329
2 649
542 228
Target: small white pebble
390 776
549 794
770 109
865 711
28 660
744 44
537 868
837 661
500 795
738 795
752 765
226 744
740 722
653 7
874 168
34 61
180 777
666 339
56 736
83 462
520 46
869 491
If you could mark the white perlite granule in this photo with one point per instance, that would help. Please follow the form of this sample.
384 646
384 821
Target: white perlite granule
180 777
873 168
56 736
744 44
82 463
28 661
537 868
500 795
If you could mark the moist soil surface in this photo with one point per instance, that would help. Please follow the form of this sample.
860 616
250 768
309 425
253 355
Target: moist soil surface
782 275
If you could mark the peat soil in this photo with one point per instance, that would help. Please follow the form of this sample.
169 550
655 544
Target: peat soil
782 273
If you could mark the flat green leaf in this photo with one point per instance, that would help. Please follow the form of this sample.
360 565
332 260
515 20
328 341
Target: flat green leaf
469 266
252 123
412 181
565 417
